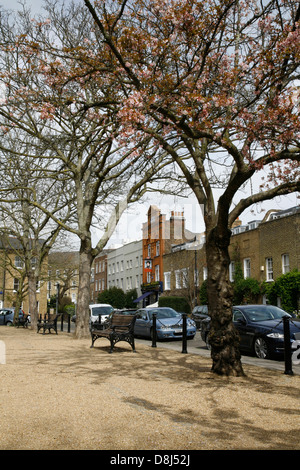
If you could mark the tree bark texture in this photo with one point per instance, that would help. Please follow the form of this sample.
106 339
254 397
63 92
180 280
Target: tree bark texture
223 337
82 314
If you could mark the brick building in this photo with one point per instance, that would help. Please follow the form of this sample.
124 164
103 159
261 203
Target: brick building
13 276
269 248
159 235
63 270
99 275
264 248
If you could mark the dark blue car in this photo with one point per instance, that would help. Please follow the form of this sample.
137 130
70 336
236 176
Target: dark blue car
260 328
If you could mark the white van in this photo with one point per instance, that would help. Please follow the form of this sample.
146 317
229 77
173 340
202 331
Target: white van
100 312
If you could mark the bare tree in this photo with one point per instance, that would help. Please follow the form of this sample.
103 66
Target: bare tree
22 184
64 96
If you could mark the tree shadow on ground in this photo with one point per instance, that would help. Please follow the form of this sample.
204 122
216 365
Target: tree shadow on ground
215 420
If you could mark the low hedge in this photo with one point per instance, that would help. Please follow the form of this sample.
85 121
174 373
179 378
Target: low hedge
180 304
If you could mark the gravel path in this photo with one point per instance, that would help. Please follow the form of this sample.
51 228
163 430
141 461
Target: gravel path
57 393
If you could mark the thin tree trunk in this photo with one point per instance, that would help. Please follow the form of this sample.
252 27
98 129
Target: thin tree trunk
19 298
32 300
223 337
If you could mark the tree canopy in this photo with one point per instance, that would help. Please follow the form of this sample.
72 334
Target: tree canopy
213 83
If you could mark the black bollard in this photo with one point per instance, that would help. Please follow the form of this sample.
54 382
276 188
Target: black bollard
154 330
287 346
62 322
184 339
69 323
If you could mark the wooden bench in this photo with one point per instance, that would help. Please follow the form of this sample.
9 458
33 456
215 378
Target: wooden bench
49 323
120 328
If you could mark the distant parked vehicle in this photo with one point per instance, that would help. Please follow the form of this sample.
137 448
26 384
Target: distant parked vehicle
99 313
199 313
7 315
168 324
260 329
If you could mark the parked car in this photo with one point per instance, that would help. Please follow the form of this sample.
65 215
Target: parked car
199 313
260 328
168 324
7 315
98 313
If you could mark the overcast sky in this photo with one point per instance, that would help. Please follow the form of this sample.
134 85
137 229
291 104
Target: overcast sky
14 4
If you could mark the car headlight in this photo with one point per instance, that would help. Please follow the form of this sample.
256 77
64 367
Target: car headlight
276 335
191 322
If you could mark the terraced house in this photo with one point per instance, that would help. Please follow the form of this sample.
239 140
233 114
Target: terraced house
265 249
14 275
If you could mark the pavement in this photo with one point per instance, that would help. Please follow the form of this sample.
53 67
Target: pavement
197 346
58 393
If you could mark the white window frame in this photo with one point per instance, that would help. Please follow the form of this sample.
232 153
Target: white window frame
18 262
156 272
285 262
167 280
185 277
178 279
16 284
269 269
157 248
247 268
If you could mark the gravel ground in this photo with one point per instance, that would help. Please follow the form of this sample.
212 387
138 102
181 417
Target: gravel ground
58 393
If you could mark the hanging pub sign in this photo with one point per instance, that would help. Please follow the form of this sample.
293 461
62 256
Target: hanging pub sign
148 265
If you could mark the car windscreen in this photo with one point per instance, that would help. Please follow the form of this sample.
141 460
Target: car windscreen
264 312
165 313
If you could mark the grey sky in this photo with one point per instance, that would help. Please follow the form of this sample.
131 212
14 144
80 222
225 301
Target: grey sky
35 5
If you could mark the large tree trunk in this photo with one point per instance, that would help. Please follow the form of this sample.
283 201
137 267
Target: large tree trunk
223 337
82 314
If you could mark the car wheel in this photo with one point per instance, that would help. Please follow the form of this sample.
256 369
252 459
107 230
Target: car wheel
8 323
261 348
